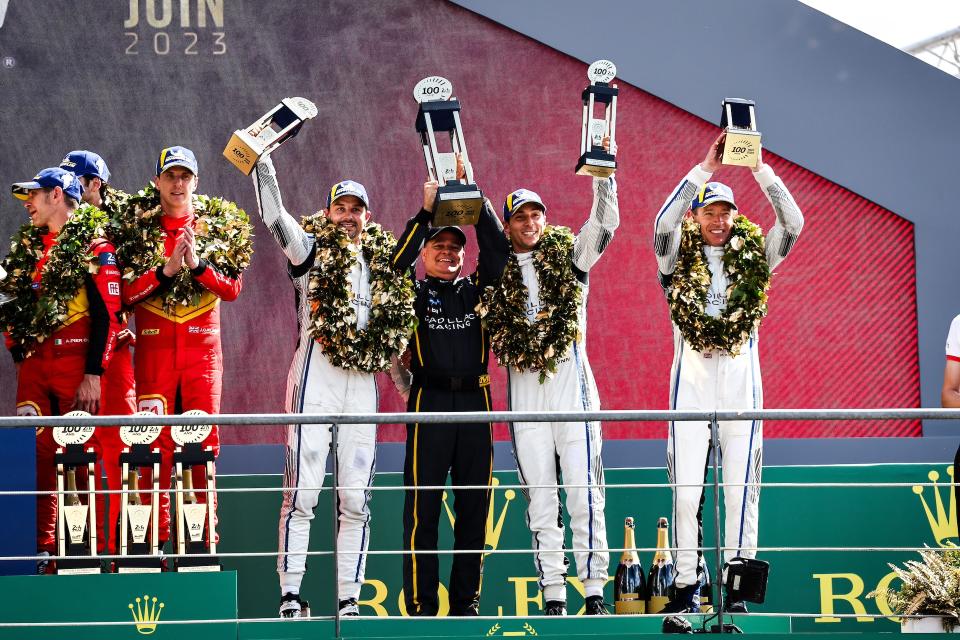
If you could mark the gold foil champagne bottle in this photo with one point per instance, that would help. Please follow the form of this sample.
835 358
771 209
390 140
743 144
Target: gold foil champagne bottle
629 584
661 576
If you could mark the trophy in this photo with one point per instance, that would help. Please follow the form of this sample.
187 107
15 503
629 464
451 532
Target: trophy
76 518
275 127
458 202
195 517
742 144
594 161
139 530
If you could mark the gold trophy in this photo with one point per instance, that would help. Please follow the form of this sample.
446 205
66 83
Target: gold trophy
196 530
742 144
272 129
594 161
76 516
139 529
458 202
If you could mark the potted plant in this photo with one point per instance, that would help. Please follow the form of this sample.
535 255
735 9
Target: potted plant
929 587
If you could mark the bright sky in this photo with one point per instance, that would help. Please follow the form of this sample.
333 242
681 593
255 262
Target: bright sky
900 23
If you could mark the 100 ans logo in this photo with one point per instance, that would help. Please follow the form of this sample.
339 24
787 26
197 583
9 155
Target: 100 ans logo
194 17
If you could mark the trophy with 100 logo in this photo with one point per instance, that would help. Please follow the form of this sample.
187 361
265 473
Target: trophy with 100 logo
196 529
139 531
594 161
76 518
272 129
458 201
741 145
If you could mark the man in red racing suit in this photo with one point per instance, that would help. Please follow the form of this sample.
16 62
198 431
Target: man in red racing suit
62 372
179 362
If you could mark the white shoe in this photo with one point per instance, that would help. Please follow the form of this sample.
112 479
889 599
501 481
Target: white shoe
349 607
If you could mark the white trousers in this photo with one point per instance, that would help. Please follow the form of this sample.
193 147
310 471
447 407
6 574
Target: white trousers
316 386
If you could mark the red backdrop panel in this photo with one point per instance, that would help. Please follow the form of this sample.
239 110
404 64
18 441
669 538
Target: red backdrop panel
841 331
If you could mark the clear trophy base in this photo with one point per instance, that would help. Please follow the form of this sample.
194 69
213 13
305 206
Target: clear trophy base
198 563
598 164
457 205
741 147
139 565
79 566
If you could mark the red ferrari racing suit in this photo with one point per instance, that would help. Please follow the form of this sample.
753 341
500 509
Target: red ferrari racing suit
179 363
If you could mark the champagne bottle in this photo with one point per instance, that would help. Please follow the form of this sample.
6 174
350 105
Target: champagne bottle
629 584
660 581
706 588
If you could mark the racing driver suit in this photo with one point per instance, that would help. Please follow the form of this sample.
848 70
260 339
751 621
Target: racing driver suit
48 378
715 381
179 361
538 445
315 385
450 352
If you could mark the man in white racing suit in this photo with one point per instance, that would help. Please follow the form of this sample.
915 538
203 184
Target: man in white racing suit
315 385
544 451
715 380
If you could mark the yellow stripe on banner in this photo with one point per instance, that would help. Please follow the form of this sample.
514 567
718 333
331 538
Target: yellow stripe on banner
413 534
404 247
486 399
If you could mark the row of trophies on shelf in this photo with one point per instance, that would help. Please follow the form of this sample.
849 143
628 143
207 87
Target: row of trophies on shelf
77 527
636 592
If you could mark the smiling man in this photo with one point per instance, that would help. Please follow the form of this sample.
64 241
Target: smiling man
326 376
715 267
537 318
448 359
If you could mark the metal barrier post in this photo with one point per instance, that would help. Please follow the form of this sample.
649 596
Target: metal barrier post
718 575
335 499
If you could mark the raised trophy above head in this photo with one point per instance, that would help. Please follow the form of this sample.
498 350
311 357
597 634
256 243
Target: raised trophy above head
459 201
741 147
272 129
594 160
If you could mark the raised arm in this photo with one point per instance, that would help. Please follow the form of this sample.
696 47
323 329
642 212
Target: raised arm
781 238
666 231
415 233
493 245
597 231
296 243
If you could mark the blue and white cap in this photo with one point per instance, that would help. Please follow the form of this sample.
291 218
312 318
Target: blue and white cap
177 157
47 179
86 163
519 198
713 192
348 188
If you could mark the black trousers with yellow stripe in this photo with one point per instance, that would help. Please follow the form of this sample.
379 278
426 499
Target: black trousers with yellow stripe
465 451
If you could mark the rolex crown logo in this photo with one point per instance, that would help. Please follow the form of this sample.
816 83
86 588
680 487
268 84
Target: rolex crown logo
942 521
494 525
146 611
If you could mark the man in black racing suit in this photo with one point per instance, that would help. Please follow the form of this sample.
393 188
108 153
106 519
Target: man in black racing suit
448 355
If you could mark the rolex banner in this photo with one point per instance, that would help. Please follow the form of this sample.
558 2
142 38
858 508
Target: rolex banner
133 605
823 583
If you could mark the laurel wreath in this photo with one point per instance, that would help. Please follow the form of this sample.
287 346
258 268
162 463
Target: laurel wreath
29 318
333 321
224 238
748 275
538 345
